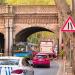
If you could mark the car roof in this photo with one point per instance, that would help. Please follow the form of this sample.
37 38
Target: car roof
10 57
42 54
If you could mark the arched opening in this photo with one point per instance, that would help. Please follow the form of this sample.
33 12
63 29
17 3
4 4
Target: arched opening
24 34
1 43
23 45
22 37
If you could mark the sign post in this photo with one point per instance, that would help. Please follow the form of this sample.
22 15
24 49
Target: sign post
69 26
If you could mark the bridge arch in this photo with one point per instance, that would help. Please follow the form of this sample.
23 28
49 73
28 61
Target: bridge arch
25 33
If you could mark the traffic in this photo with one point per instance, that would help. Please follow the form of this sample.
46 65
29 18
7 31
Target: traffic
26 62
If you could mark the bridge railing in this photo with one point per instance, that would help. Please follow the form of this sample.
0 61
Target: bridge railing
23 9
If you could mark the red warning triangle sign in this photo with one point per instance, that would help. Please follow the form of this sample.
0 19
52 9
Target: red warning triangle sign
69 26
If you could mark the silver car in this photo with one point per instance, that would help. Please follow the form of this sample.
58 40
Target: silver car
15 66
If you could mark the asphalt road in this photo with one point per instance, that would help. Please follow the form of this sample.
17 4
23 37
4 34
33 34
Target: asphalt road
47 71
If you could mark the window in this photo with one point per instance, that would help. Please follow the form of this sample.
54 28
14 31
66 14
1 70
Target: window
41 56
9 62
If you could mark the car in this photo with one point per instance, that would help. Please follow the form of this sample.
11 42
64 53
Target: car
23 54
34 53
52 55
10 65
41 59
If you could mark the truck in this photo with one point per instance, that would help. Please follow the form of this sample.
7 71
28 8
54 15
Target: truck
47 47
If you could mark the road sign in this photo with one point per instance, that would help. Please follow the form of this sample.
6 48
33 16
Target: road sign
69 26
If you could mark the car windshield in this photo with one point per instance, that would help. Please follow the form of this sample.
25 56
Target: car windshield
41 56
9 61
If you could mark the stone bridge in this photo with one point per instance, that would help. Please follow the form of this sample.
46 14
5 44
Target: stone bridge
17 22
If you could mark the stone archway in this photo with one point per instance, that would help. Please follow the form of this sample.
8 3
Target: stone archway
24 17
25 33
21 36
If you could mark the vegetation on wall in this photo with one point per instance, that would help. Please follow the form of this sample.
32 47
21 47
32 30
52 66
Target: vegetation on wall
32 2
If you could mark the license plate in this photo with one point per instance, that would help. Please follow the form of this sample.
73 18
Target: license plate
40 60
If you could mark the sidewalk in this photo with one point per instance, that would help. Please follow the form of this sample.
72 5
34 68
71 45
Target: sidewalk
67 68
64 68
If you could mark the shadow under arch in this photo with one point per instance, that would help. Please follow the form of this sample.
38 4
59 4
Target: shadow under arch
2 42
25 33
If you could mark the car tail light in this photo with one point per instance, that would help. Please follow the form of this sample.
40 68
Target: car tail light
19 71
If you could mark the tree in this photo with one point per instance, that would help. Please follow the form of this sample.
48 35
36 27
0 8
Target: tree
31 2
2 1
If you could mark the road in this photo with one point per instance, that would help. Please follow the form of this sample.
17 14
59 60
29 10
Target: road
47 71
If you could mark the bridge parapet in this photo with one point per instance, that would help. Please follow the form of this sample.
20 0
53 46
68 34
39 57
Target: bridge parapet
27 9
3 9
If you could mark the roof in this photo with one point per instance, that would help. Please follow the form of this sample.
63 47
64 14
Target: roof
42 54
10 57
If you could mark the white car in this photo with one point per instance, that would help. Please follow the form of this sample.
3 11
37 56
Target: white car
15 66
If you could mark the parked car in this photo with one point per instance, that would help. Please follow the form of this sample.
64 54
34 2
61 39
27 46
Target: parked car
41 59
52 55
34 53
15 66
23 54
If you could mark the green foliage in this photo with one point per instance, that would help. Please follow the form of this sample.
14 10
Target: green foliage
31 2
69 2
36 37
2 1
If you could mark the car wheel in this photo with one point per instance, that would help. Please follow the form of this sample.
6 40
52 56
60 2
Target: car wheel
48 66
